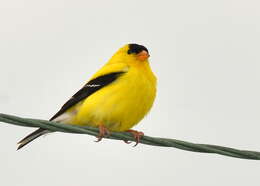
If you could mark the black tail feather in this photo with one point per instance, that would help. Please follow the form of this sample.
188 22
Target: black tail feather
31 137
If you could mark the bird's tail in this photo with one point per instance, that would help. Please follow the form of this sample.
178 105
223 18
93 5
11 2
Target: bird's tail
31 137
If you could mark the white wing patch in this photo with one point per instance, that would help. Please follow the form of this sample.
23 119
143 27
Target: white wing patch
92 85
65 117
68 115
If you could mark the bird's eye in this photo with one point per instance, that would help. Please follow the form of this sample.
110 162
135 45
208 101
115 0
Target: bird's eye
136 49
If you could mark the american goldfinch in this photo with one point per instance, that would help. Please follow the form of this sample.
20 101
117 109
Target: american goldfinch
115 98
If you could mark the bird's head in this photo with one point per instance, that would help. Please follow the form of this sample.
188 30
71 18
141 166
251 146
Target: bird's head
131 54
139 52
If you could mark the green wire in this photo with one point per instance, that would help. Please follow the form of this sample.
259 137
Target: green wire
164 142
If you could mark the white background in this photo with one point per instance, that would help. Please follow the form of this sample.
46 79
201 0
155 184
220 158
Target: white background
206 57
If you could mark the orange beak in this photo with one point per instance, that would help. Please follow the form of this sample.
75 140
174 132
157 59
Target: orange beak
142 56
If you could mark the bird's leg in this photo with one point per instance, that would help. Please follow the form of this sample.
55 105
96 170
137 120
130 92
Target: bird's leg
137 136
103 131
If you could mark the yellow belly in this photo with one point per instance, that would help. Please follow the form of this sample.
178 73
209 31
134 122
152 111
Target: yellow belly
120 105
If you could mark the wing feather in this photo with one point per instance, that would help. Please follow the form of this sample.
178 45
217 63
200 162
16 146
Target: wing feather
91 87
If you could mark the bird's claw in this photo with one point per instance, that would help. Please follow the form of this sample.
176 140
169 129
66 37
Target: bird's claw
127 141
137 136
103 131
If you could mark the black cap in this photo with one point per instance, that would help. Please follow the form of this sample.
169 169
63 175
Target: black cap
136 49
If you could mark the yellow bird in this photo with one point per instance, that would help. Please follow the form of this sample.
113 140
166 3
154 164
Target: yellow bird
116 98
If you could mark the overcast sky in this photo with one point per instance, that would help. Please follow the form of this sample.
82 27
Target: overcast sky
205 54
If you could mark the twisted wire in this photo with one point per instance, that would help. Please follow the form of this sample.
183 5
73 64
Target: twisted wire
155 141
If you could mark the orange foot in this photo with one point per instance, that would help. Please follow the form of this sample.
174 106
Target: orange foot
137 136
103 131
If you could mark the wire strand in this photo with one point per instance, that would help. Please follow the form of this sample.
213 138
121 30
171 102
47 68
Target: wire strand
155 141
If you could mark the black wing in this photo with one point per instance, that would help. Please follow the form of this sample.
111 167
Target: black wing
91 87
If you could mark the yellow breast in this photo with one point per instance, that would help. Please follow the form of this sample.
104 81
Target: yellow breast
123 103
